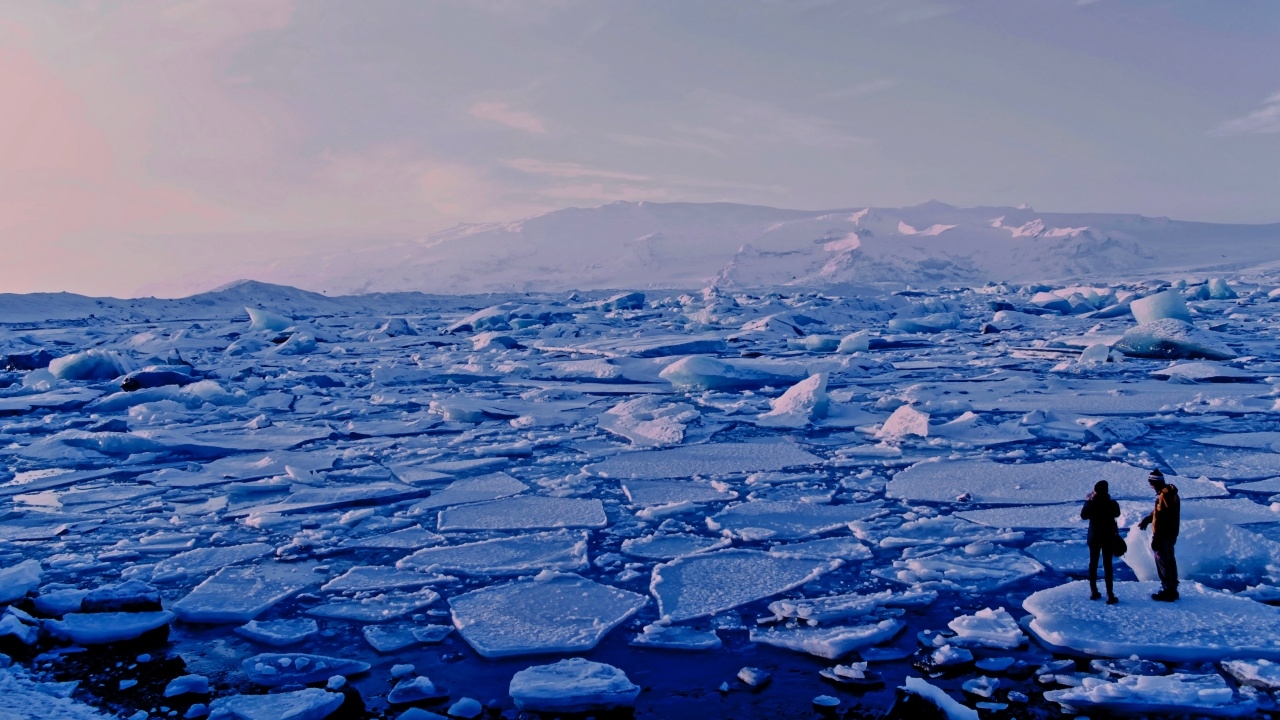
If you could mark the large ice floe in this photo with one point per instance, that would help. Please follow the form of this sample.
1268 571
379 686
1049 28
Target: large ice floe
411 505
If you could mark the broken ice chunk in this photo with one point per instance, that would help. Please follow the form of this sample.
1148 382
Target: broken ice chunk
524 513
659 492
957 570
279 633
573 685
1177 694
648 422
306 704
1263 674
676 637
18 580
825 609
551 613
362 578
276 669
904 421
203 560
844 548
562 550
708 373
800 405
988 628
238 595
702 585
1167 304
828 642
666 547
101 628
389 638
410 538
414 690
938 698
375 609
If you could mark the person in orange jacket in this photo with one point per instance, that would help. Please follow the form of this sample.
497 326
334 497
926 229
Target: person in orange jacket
1164 522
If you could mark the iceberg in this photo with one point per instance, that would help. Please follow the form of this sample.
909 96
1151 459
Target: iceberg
1174 340
1160 306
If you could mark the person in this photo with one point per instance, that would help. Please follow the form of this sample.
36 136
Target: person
1101 512
1164 522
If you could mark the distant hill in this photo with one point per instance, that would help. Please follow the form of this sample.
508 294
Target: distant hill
686 245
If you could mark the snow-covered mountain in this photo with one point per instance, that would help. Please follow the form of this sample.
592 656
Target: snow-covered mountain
684 245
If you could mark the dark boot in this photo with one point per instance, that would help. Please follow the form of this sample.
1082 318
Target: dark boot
1112 599
1093 591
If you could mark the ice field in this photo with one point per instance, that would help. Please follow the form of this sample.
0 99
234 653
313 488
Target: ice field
265 503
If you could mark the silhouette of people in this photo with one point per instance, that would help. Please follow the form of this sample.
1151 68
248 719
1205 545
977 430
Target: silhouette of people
1164 522
1101 512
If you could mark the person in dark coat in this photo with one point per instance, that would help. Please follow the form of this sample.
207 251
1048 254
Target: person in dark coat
1101 512
1164 521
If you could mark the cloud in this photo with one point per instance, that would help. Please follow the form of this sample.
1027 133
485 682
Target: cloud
1265 119
732 120
504 114
571 170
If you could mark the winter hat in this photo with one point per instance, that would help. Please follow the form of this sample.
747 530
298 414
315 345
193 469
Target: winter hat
1102 488
1155 475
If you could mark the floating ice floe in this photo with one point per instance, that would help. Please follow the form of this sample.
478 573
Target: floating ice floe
1264 440
658 492
843 548
676 637
969 429
532 512
102 628
563 550
1224 463
704 460
378 608
987 628
1177 694
549 613
938 698
830 642
573 685
364 578
960 571
702 585
816 611
1263 674
1057 481
1204 625
667 547
279 633
240 594
276 669
329 498
1192 372
784 520
478 489
305 704
205 560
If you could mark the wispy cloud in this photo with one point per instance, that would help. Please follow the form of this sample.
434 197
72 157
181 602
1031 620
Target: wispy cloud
1265 119
504 114
571 170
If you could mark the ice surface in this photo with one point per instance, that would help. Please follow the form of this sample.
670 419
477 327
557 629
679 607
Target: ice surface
1161 305
1202 372
847 549
933 323
414 689
549 613
1056 481
648 421
701 585
573 685
92 364
1172 339
1069 556
815 611
101 628
704 460
785 520
1204 625
305 704
314 499
530 512
238 595
276 669
800 405
477 489
1180 693
260 319
1265 440
279 633
563 550
831 642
